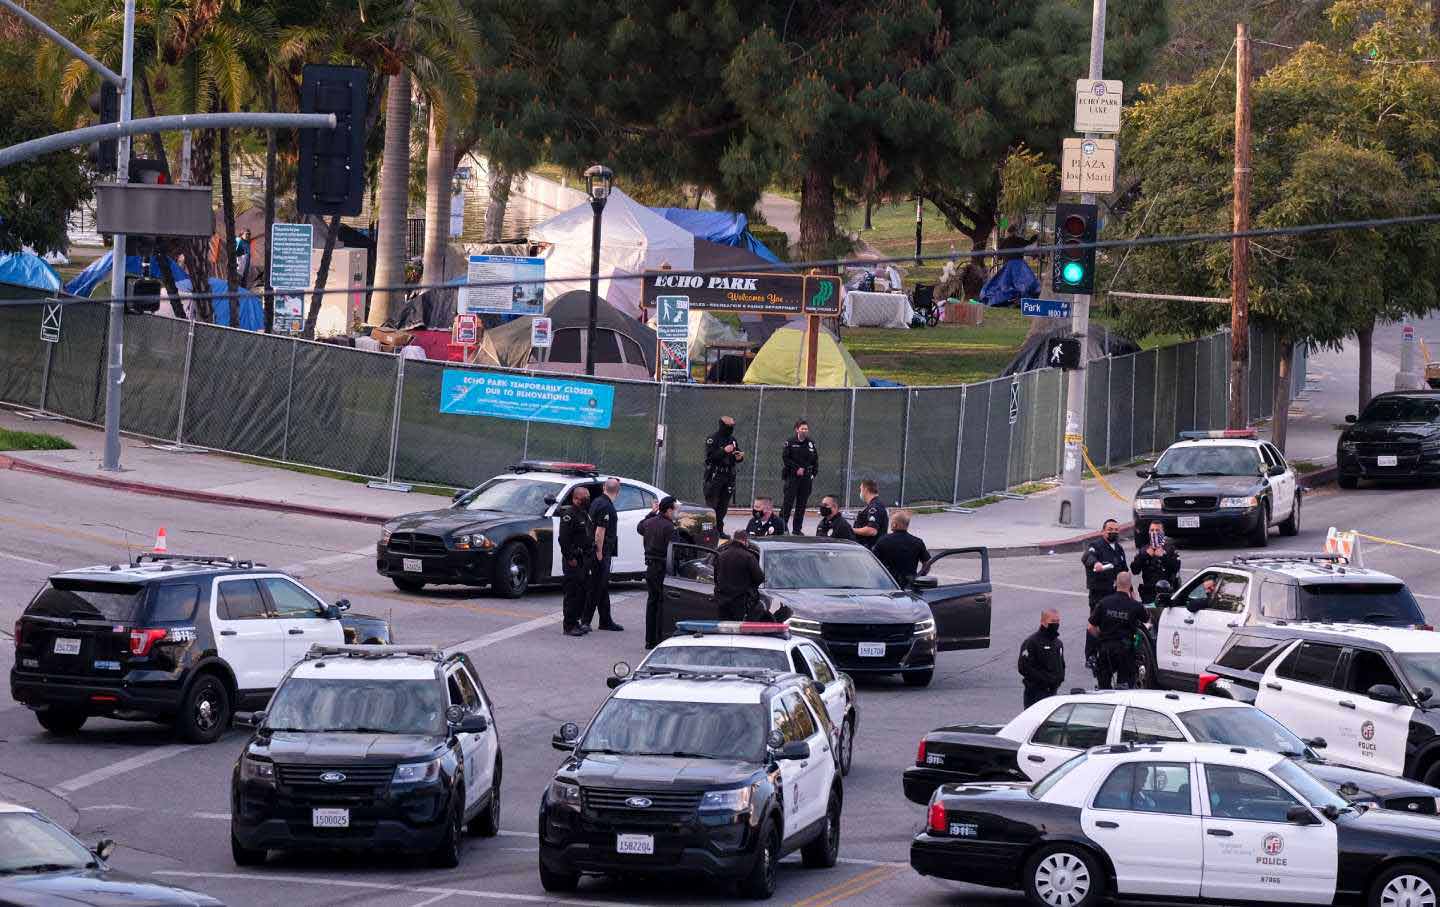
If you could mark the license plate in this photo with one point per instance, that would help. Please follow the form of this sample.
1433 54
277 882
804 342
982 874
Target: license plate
412 565
934 759
1189 522
1390 460
107 665
330 818
641 844
872 650
65 646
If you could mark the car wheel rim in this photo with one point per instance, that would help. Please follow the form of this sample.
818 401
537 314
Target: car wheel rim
1062 880
832 830
769 858
1408 891
519 572
207 711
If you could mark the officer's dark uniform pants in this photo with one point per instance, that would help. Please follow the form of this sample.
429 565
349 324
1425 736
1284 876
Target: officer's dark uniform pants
1092 643
1035 694
797 494
577 583
718 496
1115 666
654 587
599 597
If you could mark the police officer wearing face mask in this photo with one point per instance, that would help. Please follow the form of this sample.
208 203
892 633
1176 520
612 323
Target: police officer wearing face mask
722 454
577 553
1042 660
801 460
833 524
1104 559
763 519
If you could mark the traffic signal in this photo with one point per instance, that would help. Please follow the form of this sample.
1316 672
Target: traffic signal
105 103
332 161
147 171
142 294
1074 268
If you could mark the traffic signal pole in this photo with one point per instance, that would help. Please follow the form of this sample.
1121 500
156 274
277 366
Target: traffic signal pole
1072 489
115 355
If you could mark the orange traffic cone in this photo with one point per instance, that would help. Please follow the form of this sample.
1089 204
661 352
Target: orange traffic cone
160 546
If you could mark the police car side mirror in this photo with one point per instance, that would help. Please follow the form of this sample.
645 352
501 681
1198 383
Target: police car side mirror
925 582
549 500
458 495
473 724
1424 694
249 719
1316 743
1384 692
105 848
1350 418
1193 604
1144 472
792 751
1277 470
1300 815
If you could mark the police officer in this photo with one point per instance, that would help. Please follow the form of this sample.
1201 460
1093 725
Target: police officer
737 577
900 552
658 530
1114 622
577 549
1042 659
1157 562
607 545
1104 559
833 524
801 461
871 521
763 519
722 453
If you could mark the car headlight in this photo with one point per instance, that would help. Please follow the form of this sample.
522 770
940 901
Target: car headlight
1247 503
417 772
252 769
801 625
565 794
734 800
385 532
925 627
476 541
1149 504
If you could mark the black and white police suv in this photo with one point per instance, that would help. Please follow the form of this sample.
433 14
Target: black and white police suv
711 772
173 637
771 647
1396 436
1219 483
504 533
1192 625
1051 732
1200 823
369 748
1369 691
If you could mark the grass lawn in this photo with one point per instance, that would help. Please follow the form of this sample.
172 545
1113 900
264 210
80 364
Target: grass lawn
892 234
29 440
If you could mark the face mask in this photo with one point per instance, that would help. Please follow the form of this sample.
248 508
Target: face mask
1051 629
1111 536
826 510
756 514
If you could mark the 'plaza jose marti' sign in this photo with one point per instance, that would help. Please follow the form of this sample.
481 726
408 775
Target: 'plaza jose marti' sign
779 294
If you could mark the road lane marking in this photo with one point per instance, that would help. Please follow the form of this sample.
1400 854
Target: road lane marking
435 900
849 888
299 568
554 620
382 886
27 560
1040 589
118 768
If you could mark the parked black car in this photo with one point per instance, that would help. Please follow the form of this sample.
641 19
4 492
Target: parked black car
1397 436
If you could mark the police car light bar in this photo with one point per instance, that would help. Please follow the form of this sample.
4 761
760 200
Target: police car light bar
1247 433
560 466
743 627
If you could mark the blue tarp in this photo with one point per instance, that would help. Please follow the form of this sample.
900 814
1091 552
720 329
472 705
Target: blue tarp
1010 283
724 227
86 281
26 269
252 311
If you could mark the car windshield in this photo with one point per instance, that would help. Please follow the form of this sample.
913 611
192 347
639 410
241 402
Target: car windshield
361 706
1210 460
1311 789
30 843
1423 669
511 496
708 730
1246 727
717 657
1403 409
86 600
847 567
1040 788
1371 603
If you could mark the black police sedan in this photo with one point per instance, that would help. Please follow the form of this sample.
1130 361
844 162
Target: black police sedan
1397 436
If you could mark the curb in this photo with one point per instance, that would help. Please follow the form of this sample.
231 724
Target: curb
183 494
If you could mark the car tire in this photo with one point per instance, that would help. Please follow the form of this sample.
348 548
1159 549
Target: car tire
61 722
1260 536
446 854
512 570
824 851
1431 774
558 882
1064 876
1146 677
759 883
410 586
487 824
1349 483
918 678
1291 525
847 744
244 856
205 711
1407 883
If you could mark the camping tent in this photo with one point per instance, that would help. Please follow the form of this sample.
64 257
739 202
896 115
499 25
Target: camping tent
782 360
85 282
1102 343
633 239
26 269
252 311
727 228
624 348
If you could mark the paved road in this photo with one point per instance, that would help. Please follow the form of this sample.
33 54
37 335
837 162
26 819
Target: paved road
167 803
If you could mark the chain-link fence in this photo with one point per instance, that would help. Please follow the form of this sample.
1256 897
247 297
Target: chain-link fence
379 416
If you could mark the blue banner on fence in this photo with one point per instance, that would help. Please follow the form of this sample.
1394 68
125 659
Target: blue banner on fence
526 398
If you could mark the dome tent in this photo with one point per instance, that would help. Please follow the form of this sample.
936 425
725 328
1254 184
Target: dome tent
624 348
782 360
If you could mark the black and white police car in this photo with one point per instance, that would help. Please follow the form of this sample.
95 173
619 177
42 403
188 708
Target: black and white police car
1219 483
1054 730
376 748
1200 823
504 533
695 772
766 646
178 638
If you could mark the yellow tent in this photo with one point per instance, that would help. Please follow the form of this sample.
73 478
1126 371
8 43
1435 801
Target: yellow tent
782 361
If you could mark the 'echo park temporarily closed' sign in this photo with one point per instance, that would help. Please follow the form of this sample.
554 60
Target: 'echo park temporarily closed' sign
777 294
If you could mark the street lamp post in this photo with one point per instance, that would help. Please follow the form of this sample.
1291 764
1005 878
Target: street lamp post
598 180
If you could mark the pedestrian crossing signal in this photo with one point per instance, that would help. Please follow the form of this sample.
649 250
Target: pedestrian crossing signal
1062 352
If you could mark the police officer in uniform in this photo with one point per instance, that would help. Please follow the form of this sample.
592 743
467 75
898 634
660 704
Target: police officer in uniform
833 524
1156 563
1104 559
763 519
607 545
722 453
577 549
1042 659
801 461
737 577
872 520
1113 622
658 530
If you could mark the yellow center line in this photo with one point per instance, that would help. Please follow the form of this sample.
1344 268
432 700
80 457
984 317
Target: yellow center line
850 887
1385 541
78 534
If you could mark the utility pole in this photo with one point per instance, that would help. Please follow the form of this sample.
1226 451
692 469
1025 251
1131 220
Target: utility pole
1072 489
919 224
1240 246
115 368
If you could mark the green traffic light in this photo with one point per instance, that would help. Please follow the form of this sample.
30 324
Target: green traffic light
1073 272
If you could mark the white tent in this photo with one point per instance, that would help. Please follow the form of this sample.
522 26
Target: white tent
633 239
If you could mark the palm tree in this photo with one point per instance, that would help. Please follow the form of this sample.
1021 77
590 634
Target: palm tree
439 173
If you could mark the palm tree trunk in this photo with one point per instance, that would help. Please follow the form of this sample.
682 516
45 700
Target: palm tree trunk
227 204
501 179
394 198
197 249
269 207
332 231
439 170
163 246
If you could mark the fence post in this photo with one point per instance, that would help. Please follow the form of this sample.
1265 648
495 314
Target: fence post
959 441
185 383
985 444
45 375
755 448
395 419
1134 380
289 395
658 472
905 444
850 450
